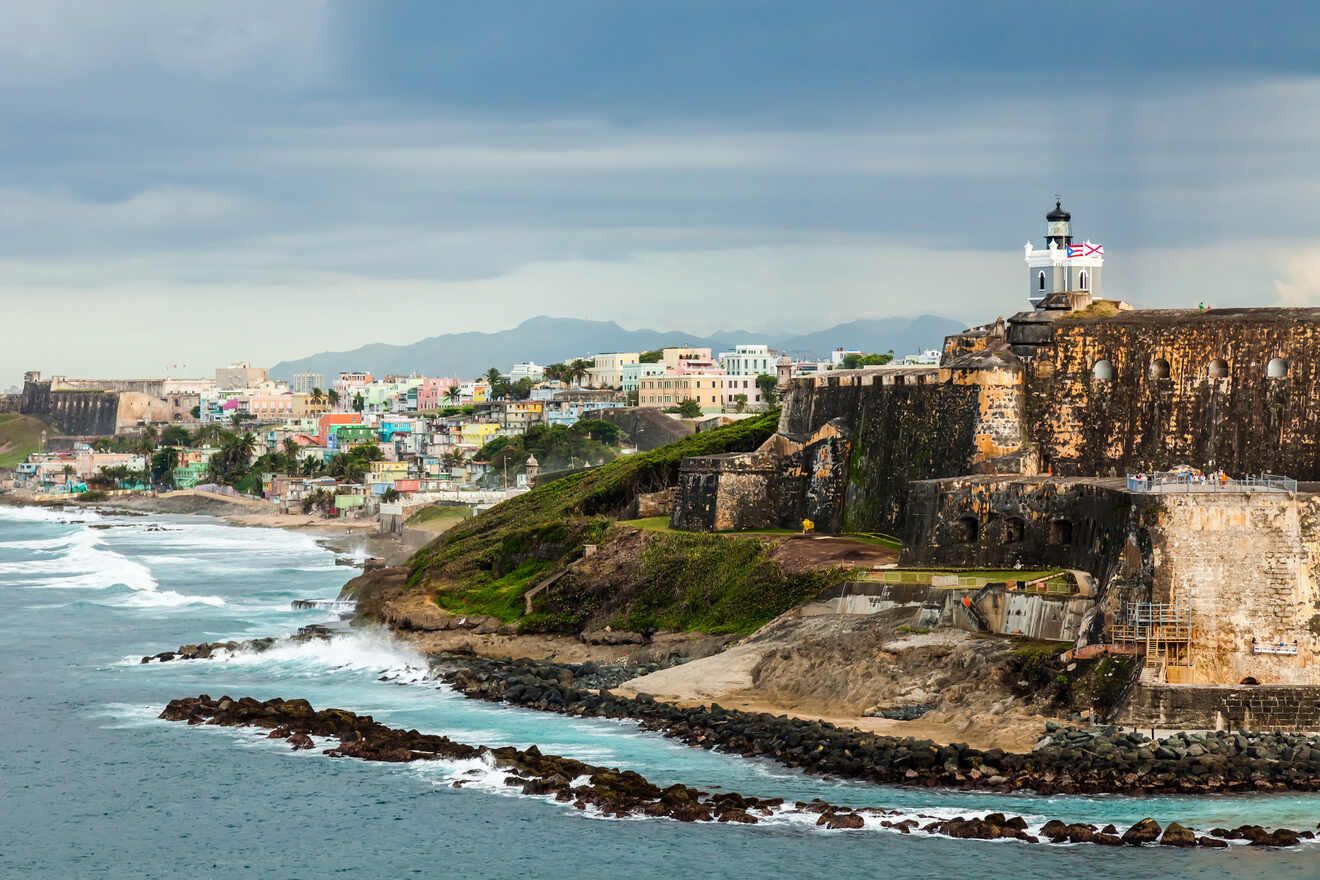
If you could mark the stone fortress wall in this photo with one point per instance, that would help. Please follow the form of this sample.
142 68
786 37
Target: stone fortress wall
1236 389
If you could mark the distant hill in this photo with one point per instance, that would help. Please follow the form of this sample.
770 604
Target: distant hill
548 340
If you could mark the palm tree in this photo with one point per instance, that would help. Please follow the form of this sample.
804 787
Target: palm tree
578 370
493 375
317 397
244 447
453 393
333 396
291 448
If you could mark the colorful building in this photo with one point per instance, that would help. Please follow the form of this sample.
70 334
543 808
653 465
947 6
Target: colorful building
329 420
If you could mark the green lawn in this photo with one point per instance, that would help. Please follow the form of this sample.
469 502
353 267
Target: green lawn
20 436
438 517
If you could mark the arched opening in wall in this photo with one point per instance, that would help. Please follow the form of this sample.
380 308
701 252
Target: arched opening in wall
1103 370
1277 368
969 529
1217 369
1061 532
1081 280
1015 529
1159 369
898 380
1040 281
1248 680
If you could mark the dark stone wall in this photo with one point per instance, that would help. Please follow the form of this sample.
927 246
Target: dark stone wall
998 522
901 434
1274 707
72 412
812 483
1162 407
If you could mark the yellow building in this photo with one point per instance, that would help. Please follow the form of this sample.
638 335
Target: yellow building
477 434
707 389
388 471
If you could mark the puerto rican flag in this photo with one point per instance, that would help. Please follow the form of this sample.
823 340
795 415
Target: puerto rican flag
1086 249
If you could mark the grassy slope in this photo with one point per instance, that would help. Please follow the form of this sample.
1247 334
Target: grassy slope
721 584
19 436
485 564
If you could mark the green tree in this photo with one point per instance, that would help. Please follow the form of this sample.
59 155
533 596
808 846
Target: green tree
359 402
390 495
175 435
453 394
577 370
196 411
163 463
493 375
689 408
317 396
651 357
767 384
740 402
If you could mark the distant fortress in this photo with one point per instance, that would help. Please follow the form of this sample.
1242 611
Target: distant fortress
1017 447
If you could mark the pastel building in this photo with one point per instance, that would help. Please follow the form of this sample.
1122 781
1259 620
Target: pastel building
748 360
606 370
632 374
329 420
477 434
433 393
678 359
671 389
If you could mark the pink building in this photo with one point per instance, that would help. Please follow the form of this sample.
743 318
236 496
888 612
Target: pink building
433 392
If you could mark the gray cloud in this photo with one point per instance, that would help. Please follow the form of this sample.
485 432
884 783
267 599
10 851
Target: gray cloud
268 181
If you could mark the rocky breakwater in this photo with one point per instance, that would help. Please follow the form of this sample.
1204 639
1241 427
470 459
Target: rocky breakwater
1065 761
624 793
209 650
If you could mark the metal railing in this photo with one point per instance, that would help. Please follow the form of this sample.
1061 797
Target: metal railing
1190 483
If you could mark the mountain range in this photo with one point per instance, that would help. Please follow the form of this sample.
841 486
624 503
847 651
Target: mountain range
549 340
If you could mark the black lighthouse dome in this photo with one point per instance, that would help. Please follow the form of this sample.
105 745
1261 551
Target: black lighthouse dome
1058 227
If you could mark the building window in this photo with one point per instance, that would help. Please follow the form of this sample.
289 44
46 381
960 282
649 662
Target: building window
1015 528
1277 368
1081 280
1040 281
1217 368
1103 370
1159 369
1061 532
968 529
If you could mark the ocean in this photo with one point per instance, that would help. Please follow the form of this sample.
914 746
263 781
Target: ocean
94 785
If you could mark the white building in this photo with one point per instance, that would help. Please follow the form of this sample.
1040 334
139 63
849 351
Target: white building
748 360
303 383
837 356
1062 266
928 357
528 370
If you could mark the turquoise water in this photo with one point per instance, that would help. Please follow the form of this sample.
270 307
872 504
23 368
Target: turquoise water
95 786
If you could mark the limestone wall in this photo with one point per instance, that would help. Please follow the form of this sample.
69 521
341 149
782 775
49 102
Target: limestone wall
1163 407
1246 566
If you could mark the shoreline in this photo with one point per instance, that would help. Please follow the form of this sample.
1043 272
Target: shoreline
627 794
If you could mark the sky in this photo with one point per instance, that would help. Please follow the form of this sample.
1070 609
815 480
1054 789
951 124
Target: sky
184 184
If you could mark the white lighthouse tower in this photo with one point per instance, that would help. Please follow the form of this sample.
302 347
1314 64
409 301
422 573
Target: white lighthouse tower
1062 266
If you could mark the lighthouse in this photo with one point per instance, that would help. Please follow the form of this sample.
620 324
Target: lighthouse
1062 266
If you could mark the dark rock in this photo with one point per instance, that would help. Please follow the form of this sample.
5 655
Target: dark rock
1177 835
1145 831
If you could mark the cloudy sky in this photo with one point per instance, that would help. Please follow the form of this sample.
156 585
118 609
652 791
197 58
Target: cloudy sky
188 183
